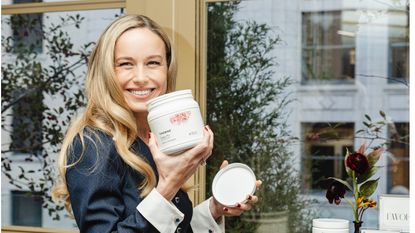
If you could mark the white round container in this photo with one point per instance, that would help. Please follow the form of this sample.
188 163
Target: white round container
330 225
175 120
233 183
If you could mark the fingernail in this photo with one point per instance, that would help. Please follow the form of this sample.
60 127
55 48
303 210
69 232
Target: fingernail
225 209
238 205
249 197
206 127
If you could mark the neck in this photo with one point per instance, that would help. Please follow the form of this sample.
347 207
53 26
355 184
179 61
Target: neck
142 126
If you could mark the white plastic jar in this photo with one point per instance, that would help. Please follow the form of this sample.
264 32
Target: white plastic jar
175 120
330 225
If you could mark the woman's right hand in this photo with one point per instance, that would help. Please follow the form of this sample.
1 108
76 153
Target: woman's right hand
175 170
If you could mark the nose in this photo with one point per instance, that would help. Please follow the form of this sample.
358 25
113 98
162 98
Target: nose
140 76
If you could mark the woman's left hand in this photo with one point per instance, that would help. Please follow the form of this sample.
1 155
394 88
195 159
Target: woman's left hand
218 210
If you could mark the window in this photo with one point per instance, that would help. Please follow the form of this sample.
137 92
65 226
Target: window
398 169
399 45
27 123
27 37
328 47
325 144
42 97
339 56
27 30
26 208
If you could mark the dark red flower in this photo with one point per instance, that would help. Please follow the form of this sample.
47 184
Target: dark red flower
357 162
335 191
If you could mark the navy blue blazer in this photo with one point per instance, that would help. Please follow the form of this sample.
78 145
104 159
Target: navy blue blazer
103 189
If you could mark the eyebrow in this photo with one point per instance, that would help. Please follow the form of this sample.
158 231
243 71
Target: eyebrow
124 58
155 56
130 58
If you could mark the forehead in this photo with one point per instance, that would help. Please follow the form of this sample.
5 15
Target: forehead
139 41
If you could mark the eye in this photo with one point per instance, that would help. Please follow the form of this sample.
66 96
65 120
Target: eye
125 65
153 63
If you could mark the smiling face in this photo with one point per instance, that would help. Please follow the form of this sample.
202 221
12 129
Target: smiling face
141 67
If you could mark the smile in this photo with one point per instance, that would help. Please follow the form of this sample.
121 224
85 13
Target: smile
141 92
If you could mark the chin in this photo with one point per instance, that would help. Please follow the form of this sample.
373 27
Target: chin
139 109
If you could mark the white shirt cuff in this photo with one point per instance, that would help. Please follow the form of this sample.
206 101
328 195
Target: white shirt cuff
162 214
202 220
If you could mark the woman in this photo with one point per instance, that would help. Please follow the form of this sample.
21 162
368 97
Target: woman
113 176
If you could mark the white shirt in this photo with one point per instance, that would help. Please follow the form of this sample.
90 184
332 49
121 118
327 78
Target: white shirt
165 216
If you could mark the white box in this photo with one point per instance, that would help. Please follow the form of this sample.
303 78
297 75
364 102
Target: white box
377 231
394 212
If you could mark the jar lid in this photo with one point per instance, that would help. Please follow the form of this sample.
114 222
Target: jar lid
233 183
168 97
331 223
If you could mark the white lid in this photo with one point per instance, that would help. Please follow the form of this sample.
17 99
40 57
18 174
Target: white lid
233 183
331 223
168 97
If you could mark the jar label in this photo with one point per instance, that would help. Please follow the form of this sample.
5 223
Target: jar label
180 117
178 131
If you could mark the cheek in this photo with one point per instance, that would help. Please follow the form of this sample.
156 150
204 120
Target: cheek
123 77
165 85
162 80
166 79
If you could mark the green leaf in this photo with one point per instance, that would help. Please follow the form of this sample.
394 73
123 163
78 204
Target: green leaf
368 188
360 131
343 182
365 176
382 113
367 124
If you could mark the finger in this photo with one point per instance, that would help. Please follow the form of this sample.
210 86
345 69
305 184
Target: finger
224 164
202 146
258 184
252 199
245 207
152 143
211 139
232 211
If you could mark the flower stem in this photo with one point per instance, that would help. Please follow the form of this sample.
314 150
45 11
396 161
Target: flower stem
350 203
356 197
361 212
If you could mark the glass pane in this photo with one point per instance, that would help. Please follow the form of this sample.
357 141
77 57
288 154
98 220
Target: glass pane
27 208
328 45
398 164
399 45
324 147
43 71
292 88
328 64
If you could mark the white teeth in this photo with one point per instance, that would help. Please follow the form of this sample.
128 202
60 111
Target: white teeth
142 93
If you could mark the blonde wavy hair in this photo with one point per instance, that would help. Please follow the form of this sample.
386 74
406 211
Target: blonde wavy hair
107 109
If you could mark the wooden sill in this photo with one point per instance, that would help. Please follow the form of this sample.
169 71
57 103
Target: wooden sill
20 229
